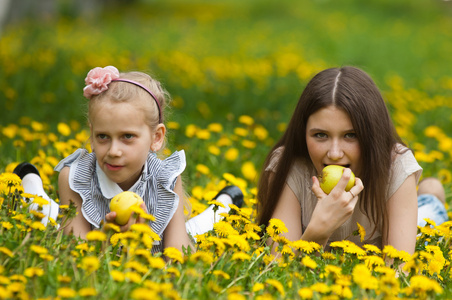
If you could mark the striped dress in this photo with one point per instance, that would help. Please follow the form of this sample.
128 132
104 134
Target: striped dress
155 186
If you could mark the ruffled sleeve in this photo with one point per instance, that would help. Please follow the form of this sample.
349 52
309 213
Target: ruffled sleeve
160 198
82 179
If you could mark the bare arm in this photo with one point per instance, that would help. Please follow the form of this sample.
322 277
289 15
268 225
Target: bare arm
79 226
402 217
175 234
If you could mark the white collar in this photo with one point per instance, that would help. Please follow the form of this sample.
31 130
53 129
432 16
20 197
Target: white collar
108 187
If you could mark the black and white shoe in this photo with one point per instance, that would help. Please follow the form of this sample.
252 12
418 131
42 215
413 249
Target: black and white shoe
25 168
234 192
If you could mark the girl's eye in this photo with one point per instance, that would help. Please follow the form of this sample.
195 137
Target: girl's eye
128 136
102 136
320 135
350 135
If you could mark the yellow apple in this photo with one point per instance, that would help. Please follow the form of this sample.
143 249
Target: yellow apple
330 177
122 204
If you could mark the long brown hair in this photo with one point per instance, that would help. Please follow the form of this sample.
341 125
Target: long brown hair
352 90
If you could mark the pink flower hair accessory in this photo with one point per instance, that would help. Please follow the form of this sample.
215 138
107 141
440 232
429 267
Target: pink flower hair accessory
98 79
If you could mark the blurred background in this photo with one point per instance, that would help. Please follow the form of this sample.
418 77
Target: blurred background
234 68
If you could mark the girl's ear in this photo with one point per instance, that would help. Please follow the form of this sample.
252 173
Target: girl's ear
158 137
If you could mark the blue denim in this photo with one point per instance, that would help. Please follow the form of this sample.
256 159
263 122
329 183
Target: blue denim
432 208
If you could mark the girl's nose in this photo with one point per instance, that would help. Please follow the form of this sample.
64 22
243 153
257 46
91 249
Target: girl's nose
335 152
115 149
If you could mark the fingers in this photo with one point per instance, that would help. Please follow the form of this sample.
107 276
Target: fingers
316 189
110 217
357 188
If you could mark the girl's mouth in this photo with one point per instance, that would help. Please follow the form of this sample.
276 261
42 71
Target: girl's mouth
113 167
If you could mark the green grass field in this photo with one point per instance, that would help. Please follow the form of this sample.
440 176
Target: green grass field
235 70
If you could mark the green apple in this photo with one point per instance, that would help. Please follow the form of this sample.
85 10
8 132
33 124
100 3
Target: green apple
122 204
330 177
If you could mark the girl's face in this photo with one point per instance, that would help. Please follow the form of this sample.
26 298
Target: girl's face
121 140
331 140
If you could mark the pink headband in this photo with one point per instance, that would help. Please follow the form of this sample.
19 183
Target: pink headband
98 79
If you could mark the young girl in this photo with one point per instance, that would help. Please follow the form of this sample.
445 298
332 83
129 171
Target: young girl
125 115
341 119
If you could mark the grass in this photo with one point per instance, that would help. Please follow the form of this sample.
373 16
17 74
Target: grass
235 70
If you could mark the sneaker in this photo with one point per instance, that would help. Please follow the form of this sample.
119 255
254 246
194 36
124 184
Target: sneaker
25 168
234 192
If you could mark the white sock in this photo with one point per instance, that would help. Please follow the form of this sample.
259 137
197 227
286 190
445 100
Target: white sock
32 184
204 221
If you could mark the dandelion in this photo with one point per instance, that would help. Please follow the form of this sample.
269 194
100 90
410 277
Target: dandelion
174 271
258 287
64 279
309 262
260 132
87 292
224 229
117 276
214 150
215 127
156 262
203 134
64 129
90 264
248 144
38 226
361 231
204 256
242 256
305 293
247 120
231 154
136 266
7 225
392 252
6 251
96 235
32 272
133 277
242 132
277 285
275 227
320 287
306 246
249 170
174 254
363 278
66 292
220 273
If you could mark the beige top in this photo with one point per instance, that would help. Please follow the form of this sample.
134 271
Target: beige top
300 182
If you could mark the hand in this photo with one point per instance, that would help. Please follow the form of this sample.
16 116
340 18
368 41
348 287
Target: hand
134 219
336 208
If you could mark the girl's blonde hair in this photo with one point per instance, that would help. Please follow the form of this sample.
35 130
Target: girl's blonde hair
127 92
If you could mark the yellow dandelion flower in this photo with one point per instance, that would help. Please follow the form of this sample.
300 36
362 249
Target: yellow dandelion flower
277 285
10 179
248 144
247 120
309 262
392 252
174 271
215 127
305 293
235 296
96 235
224 142
135 265
224 229
190 130
275 227
38 226
156 262
306 246
203 256
87 292
373 260
144 294
203 169
363 277
64 129
361 231
231 154
173 125
372 248
66 292
242 132
133 277
173 254
6 251
214 150
203 134
249 170
258 287
64 279
238 241
90 264
117 276
33 271
7 225
40 201
242 256
220 273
